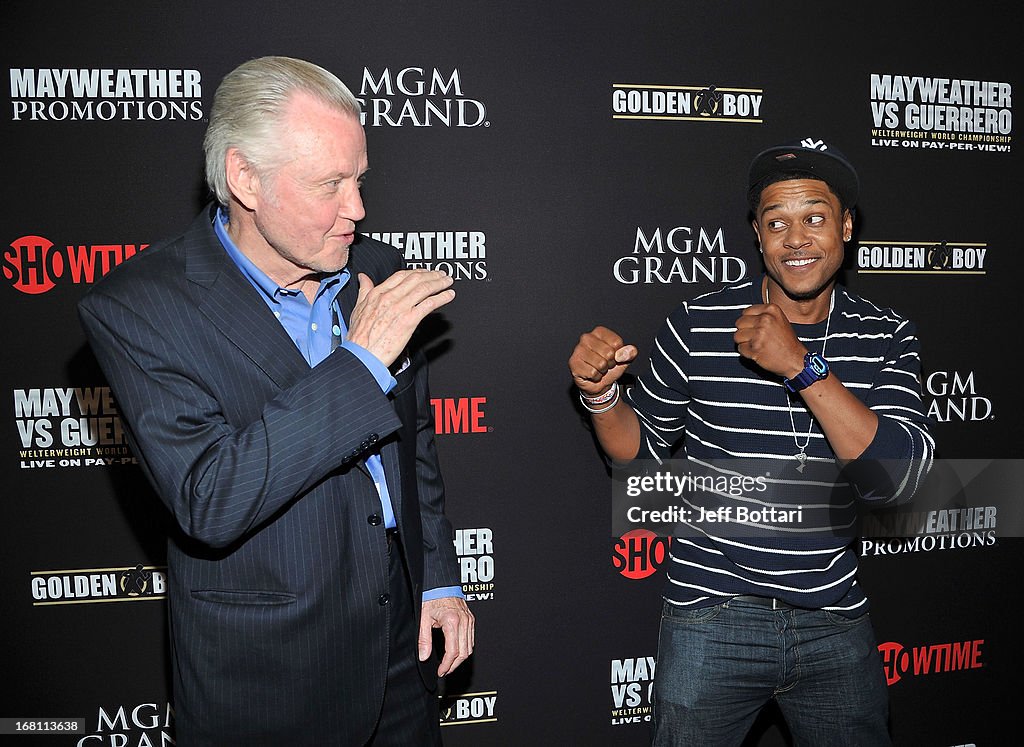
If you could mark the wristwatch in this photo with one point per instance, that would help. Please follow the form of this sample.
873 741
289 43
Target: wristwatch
815 369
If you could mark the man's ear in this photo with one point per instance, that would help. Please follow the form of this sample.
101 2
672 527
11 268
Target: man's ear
243 181
848 225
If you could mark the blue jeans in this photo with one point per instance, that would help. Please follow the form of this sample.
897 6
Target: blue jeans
718 666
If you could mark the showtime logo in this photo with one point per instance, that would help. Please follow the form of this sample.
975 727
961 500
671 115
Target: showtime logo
639 553
34 265
937 658
459 415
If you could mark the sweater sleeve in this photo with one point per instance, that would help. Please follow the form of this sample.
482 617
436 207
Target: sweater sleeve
898 459
661 393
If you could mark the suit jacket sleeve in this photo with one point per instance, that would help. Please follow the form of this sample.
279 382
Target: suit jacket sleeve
439 559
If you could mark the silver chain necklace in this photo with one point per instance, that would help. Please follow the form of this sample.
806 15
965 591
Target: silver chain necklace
801 455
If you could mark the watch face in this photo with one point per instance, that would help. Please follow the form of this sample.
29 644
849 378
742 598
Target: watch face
817 364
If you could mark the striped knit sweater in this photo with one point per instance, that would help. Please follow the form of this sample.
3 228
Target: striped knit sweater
698 400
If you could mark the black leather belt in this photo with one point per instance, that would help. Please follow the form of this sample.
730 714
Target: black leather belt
769 602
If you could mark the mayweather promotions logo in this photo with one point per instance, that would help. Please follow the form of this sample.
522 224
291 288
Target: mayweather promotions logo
461 254
104 94
929 531
418 97
963 504
686 103
941 113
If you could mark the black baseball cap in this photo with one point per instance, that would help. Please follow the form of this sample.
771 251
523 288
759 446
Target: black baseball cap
812 155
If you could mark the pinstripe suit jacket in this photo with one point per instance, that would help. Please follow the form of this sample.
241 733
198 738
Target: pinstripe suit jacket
278 633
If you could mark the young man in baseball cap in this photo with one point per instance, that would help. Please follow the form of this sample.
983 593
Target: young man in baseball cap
812 393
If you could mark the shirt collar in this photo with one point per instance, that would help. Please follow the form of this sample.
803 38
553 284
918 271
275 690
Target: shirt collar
259 279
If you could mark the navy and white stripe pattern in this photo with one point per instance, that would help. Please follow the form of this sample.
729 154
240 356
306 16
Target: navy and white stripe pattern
698 399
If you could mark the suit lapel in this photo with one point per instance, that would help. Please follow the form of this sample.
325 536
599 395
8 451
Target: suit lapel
228 299
348 296
231 303
392 472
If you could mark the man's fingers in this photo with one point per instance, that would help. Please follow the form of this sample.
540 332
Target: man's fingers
626 354
387 314
415 283
458 627
457 647
598 352
435 301
365 283
607 335
425 640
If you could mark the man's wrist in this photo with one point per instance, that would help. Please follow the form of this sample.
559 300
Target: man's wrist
443 592
599 399
815 369
603 402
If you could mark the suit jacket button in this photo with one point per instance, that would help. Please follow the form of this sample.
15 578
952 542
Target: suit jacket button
373 520
383 599
374 438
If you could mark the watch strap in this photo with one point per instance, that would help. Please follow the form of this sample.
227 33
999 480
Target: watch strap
815 369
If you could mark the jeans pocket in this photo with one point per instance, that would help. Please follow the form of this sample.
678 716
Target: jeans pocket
841 621
683 616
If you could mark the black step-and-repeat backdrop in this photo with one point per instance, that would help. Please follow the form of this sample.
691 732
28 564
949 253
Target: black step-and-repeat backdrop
571 164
